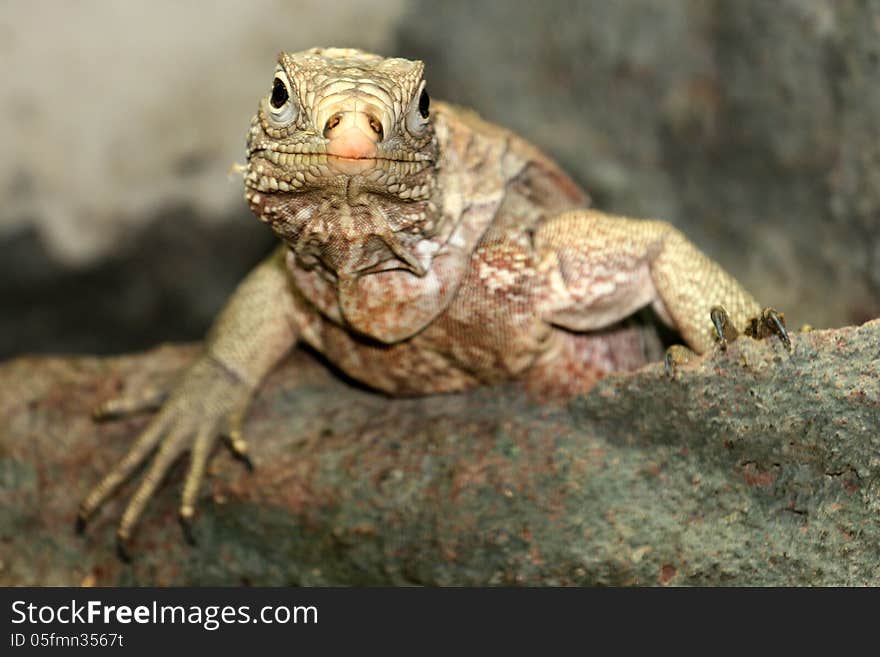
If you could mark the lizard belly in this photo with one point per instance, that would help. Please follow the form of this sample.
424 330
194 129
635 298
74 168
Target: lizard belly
417 366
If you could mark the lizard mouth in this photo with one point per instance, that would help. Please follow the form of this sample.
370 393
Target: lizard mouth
292 157
299 169
283 168
305 159
353 165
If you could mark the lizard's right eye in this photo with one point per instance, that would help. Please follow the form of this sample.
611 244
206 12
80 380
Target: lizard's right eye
279 94
281 106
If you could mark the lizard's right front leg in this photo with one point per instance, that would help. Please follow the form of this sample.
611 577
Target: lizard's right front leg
602 267
255 329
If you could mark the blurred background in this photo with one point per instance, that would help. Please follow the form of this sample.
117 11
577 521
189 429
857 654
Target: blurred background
753 126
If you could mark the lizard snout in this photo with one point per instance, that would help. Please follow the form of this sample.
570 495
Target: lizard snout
353 134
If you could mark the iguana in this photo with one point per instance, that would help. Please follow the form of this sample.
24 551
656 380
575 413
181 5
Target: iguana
423 250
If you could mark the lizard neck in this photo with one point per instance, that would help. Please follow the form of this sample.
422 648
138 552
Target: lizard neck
357 234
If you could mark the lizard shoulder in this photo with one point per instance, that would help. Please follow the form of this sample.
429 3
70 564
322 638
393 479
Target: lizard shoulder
522 166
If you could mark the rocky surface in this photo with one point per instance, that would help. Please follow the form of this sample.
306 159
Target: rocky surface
753 466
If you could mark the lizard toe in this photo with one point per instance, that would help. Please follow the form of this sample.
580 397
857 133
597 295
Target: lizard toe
768 323
131 404
676 356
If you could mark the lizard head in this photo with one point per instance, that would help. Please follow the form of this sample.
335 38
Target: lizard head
341 160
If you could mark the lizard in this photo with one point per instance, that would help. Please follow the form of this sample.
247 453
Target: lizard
422 250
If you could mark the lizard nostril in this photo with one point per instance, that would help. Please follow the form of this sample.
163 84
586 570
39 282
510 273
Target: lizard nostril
332 122
366 122
376 126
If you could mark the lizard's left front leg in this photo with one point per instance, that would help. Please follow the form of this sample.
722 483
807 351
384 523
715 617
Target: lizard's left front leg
601 268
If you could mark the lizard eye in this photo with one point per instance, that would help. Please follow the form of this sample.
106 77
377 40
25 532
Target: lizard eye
424 103
281 107
279 94
417 116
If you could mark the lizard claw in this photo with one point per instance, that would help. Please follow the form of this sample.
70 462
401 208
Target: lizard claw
238 445
769 322
186 524
248 463
725 331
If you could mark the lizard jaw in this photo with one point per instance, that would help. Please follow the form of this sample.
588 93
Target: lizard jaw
273 171
351 166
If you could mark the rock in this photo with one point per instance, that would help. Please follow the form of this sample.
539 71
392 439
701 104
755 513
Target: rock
754 466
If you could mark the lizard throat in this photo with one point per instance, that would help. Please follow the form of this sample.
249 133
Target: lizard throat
348 237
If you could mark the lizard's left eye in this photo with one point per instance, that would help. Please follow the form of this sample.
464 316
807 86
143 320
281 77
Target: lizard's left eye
424 103
281 107
417 115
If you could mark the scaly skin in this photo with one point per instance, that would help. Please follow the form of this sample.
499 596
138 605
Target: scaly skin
423 250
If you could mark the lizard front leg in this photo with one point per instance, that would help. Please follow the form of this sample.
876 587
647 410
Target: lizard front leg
601 268
255 329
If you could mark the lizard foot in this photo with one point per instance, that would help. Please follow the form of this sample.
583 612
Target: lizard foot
208 402
768 323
